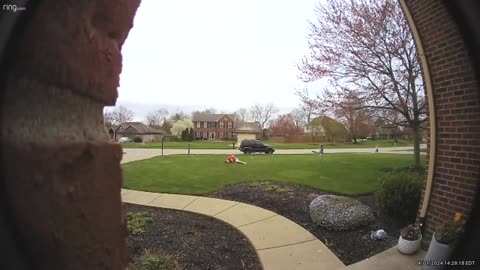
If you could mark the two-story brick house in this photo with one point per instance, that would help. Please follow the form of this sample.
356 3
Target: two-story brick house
213 126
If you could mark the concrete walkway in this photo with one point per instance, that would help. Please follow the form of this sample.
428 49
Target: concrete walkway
280 243
390 259
132 154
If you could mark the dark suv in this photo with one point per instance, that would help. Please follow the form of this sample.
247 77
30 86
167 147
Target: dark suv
252 146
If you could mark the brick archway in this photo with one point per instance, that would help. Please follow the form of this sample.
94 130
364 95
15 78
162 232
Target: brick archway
454 113
61 205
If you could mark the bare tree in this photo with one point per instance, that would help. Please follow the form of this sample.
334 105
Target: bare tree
108 119
299 117
263 113
211 110
242 114
310 106
117 116
366 46
122 114
157 117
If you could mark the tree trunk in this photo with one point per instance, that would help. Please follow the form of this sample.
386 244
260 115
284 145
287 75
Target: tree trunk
416 146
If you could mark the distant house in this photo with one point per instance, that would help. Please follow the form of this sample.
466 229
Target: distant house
389 132
318 126
323 126
133 130
247 131
213 126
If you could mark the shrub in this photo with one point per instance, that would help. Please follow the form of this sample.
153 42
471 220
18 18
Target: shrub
137 139
155 261
339 213
136 222
399 194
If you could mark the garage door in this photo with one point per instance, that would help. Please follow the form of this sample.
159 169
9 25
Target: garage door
241 137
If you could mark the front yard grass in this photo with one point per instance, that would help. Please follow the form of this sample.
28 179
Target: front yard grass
349 174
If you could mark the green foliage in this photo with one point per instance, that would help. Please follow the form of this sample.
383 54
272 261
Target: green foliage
138 139
191 135
187 135
399 194
155 261
184 135
449 231
136 222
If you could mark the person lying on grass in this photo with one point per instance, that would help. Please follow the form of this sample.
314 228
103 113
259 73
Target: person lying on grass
234 159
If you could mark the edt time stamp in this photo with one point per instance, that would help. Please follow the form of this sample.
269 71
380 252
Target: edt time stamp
449 263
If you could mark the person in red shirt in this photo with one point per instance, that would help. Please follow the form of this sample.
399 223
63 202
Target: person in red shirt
234 159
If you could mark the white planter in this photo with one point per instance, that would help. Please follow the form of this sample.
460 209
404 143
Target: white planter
407 246
437 252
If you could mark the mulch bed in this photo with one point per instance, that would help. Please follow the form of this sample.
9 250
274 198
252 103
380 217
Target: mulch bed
292 201
199 242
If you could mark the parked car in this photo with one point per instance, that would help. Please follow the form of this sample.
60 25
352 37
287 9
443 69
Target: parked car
124 140
253 146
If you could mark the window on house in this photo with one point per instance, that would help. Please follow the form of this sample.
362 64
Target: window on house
229 124
221 124
204 124
199 124
221 134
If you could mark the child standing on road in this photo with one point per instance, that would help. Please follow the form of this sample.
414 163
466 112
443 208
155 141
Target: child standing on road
321 152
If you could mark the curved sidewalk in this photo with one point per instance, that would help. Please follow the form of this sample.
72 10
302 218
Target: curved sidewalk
280 243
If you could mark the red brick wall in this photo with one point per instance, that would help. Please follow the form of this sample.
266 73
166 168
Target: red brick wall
456 97
61 176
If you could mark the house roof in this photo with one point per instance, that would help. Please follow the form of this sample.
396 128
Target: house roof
211 117
247 127
323 118
140 127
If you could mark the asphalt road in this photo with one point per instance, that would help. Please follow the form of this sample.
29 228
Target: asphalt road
132 154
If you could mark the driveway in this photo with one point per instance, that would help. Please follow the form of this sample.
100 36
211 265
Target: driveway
133 154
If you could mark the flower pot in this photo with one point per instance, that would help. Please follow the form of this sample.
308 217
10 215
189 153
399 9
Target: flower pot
407 246
437 252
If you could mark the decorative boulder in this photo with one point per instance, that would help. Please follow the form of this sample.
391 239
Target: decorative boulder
339 213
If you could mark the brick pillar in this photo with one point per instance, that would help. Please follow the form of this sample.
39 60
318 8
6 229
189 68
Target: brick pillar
455 88
62 177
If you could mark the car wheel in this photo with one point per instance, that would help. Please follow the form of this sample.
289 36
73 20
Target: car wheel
269 151
247 151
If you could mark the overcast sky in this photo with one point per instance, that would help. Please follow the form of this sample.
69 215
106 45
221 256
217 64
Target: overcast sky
215 53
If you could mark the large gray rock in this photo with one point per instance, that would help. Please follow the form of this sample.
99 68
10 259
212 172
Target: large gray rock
339 213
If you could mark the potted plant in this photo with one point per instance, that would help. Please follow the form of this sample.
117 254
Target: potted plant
410 239
443 241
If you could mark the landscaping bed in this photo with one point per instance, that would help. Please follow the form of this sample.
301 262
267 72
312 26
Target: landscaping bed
292 201
196 242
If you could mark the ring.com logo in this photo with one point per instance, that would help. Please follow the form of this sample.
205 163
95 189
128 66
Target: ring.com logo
12 8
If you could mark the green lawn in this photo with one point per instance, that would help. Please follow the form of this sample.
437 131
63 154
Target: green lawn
228 145
202 174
